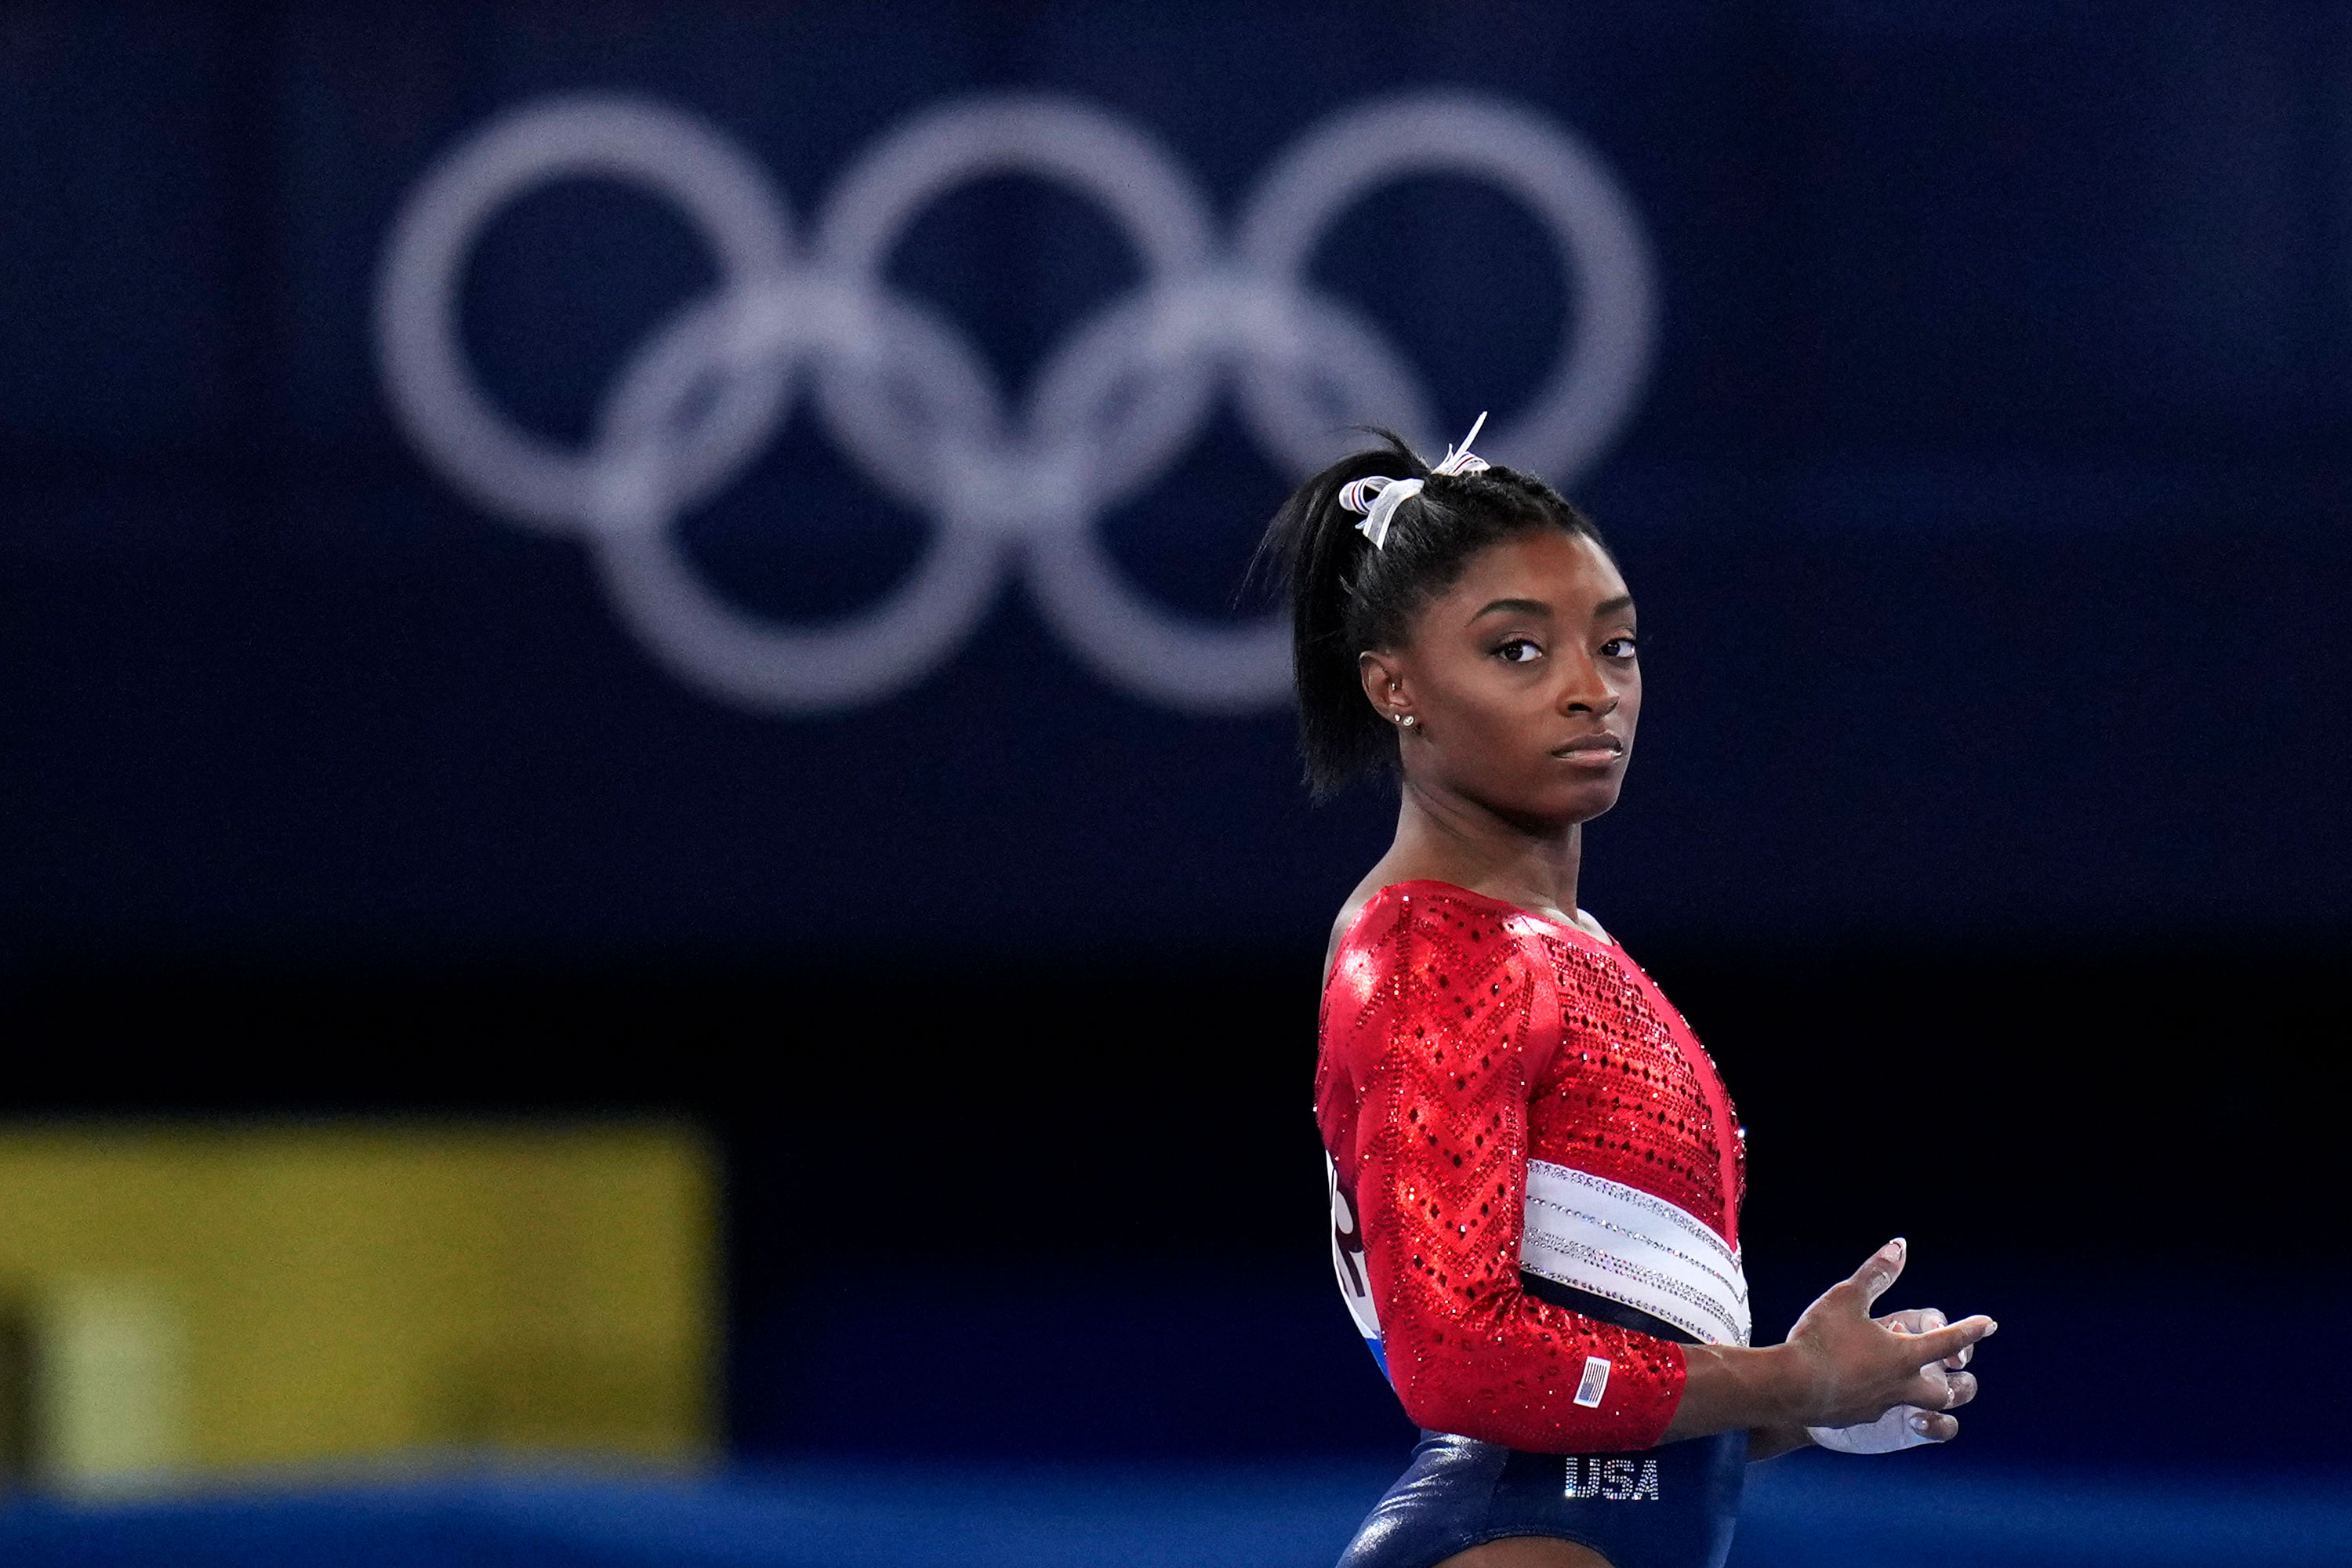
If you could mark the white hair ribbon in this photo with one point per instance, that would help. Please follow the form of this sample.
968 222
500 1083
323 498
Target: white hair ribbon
1377 496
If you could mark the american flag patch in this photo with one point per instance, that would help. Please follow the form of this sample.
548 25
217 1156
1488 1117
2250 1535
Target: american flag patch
1594 1383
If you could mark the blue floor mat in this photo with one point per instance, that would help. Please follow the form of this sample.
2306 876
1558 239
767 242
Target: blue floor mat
1812 1510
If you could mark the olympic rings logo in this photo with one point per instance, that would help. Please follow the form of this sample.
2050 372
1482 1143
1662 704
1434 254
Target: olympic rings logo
1011 487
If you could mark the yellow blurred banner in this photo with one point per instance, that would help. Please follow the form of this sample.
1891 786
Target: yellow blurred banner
181 1299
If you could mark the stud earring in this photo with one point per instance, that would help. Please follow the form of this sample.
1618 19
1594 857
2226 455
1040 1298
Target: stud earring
1404 719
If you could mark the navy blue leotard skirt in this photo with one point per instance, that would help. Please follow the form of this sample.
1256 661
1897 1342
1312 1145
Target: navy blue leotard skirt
1669 1507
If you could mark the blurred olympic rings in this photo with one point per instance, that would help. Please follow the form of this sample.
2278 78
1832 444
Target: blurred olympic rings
907 395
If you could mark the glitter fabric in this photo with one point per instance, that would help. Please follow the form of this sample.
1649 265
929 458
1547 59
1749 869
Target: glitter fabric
1462 1037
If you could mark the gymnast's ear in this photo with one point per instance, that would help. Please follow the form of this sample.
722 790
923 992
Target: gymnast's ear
1384 685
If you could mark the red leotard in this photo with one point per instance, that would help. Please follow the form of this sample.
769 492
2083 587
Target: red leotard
1461 1037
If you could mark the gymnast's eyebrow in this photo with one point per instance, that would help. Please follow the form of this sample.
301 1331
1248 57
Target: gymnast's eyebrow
1518 607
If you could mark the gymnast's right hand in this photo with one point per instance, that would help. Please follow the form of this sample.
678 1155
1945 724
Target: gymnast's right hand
1852 1368
1838 1367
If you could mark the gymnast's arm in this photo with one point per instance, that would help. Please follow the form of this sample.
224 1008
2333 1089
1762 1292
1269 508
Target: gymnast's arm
1441 1058
1444 1068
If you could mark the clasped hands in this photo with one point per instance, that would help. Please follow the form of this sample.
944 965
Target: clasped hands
1843 1378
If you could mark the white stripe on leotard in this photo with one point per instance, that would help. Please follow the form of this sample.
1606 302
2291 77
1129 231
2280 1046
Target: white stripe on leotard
1633 1248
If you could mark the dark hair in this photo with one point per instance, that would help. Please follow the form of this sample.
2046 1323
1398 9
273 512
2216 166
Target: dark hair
1348 596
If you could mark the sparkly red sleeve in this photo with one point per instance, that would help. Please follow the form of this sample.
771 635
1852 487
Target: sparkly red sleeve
1445 1056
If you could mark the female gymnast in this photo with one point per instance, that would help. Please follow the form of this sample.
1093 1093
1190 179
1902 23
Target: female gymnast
1535 1172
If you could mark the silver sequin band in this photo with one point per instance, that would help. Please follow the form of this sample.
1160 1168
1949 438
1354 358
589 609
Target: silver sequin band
1633 1248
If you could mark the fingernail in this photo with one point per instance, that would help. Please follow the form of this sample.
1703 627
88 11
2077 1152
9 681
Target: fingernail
1990 1329
1920 1424
1896 1245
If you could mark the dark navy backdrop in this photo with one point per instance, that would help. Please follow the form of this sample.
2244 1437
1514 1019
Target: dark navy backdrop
1986 499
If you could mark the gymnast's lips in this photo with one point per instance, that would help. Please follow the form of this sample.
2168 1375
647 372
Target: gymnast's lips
1591 750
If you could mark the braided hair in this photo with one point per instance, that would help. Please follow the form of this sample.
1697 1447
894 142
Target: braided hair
1348 597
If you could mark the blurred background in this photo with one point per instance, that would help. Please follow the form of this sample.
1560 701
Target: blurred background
657 906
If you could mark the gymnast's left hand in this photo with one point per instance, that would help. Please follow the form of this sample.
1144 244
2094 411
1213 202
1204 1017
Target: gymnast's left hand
1959 1385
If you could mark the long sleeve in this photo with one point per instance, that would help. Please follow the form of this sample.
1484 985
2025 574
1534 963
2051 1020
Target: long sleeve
1441 1055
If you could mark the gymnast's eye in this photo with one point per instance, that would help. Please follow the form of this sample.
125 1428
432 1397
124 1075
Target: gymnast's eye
1519 650
1617 647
